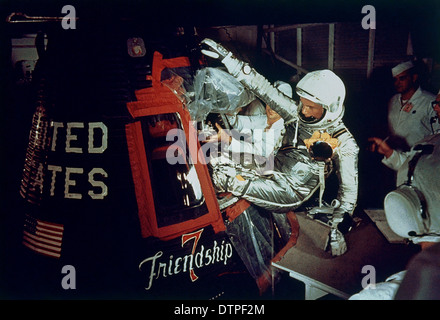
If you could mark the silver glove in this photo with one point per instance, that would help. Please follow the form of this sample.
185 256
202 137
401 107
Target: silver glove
216 50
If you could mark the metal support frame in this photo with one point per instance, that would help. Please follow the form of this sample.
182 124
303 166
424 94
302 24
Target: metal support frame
299 28
299 47
371 42
331 45
271 48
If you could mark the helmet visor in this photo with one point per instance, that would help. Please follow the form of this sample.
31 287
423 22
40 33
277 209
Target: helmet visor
332 107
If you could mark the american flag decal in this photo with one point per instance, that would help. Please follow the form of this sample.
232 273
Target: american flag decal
42 236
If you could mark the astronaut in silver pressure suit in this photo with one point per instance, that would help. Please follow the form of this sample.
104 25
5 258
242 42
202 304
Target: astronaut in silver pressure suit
315 140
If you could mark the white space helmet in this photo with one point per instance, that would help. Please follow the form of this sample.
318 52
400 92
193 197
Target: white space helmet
404 210
413 209
326 88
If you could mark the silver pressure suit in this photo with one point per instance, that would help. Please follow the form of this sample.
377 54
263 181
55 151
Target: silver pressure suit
296 176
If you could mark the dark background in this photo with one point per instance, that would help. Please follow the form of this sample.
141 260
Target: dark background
159 19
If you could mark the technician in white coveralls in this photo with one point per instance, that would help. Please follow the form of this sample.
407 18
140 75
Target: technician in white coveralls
394 159
258 137
410 115
412 212
315 139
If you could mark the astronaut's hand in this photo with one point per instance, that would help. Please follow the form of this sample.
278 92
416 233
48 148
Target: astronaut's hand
325 137
215 50
234 66
221 136
321 145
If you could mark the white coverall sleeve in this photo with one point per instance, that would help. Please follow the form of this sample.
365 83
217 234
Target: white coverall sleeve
396 160
262 144
240 122
381 291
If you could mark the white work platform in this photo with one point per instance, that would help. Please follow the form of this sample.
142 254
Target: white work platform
341 276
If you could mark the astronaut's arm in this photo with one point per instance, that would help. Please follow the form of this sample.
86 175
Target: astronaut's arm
347 172
251 79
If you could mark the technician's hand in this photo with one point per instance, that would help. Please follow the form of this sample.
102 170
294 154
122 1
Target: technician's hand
222 136
380 146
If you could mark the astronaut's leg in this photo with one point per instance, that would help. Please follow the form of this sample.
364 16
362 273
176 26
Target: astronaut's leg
273 195
339 222
276 193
